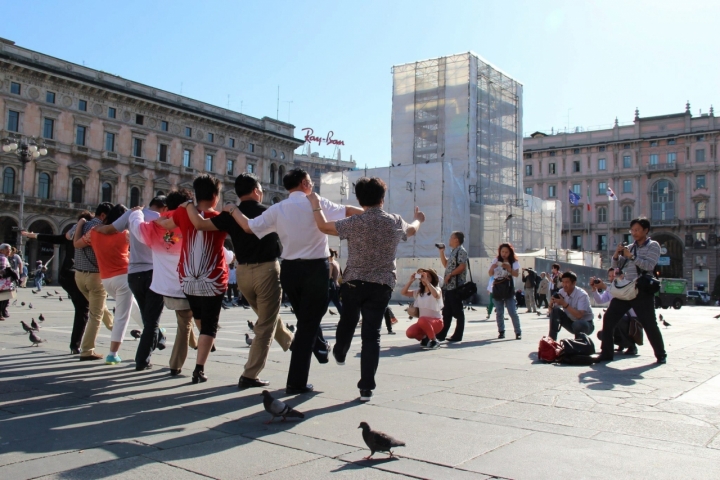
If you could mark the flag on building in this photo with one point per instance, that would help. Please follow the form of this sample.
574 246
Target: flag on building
574 197
610 194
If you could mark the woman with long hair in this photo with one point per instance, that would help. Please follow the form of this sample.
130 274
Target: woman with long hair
503 268
428 299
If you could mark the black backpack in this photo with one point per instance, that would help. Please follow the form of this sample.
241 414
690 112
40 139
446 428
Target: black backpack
578 351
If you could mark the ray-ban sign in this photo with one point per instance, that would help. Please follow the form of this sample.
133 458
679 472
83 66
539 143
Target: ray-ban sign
328 140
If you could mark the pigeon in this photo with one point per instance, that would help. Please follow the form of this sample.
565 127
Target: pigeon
14 302
41 318
136 334
29 305
248 340
245 307
113 310
471 308
666 324
49 294
36 341
60 298
34 325
290 327
22 304
57 293
378 441
661 317
34 292
278 408
331 312
599 316
291 310
401 304
716 316
25 327
284 305
251 326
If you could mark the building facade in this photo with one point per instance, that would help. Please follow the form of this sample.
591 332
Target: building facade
316 166
112 139
664 167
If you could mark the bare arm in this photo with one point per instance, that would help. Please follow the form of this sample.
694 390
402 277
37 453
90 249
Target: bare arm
406 292
418 218
77 239
443 260
106 229
166 223
350 211
200 223
323 225
460 268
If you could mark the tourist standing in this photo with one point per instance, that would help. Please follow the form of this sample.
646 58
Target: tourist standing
505 268
455 264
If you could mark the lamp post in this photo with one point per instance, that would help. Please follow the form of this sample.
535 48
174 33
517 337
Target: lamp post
26 149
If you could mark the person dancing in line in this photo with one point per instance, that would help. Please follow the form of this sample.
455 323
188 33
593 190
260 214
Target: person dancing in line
428 298
504 267
203 268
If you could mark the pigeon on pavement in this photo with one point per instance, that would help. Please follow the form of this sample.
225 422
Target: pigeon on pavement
251 326
248 340
290 327
331 312
22 304
378 441
136 334
60 298
36 341
57 293
25 327
471 308
599 316
34 292
14 302
34 325
29 305
49 294
278 408
401 304
41 317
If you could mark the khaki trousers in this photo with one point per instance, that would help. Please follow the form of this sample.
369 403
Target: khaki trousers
185 335
260 285
90 285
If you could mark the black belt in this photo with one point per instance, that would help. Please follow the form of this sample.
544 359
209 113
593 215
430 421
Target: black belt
306 260
256 263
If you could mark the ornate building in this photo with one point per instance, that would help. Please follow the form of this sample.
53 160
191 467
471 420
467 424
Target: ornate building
664 167
112 139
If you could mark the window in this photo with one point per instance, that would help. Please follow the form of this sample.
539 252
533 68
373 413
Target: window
576 151
139 119
164 125
273 153
662 196
13 121
671 141
576 166
700 155
134 197
317 172
626 146
528 191
48 128
106 192
601 149
627 213
50 97
602 243
112 112
77 191
250 168
577 215
627 186
15 88
8 181
44 185
281 174
211 137
80 132
272 173
551 168
137 147
209 159
577 242
576 188
700 181
700 138
109 142
602 215
602 188
654 143
187 158
82 105
231 167
552 191
188 132
653 159
251 147
231 142
282 155
162 153
627 161
528 170
701 210
671 157
602 164
552 154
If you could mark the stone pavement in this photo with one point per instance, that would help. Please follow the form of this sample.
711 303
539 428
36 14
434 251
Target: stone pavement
484 408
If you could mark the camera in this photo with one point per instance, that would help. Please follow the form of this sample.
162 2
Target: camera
418 276
557 296
596 281
440 245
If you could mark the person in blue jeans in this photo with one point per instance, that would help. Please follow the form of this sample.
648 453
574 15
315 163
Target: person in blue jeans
505 267
39 275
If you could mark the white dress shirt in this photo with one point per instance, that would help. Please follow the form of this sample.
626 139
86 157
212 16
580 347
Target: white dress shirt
294 222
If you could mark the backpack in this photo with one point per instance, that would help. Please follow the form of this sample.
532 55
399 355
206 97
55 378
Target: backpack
549 350
577 351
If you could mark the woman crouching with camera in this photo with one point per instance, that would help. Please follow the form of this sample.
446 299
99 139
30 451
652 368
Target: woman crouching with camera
428 300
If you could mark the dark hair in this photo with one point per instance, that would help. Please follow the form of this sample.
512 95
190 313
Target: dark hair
333 253
569 275
86 215
176 197
433 279
104 207
556 266
115 213
642 221
206 187
460 236
293 178
159 201
512 259
245 183
611 269
370 191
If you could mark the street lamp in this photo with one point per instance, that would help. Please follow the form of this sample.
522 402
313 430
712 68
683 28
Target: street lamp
26 149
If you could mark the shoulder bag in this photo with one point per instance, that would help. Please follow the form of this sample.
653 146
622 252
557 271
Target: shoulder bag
623 289
646 282
467 289
503 288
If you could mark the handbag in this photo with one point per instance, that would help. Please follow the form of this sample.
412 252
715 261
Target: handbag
503 289
413 311
635 331
467 289
623 289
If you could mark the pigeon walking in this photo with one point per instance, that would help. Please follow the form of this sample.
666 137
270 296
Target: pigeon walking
49 294
25 327
666 324
599 316
471 308
136 334
290 327
34 325
57 293
378 441
29 305
331 312
34 292
278 408
60 298
251 326
36 341
14 302
41 317
401 304
248 340
22 304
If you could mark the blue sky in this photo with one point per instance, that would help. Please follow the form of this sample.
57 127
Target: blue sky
582 63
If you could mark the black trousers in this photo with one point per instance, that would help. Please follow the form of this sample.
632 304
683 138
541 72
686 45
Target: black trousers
305 282
369 300
644 306
389 315
453 307
232 291
82 308
151 306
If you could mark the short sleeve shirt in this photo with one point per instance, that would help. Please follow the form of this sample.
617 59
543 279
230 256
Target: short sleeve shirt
85 260
579 300
458 256
140 254
373 237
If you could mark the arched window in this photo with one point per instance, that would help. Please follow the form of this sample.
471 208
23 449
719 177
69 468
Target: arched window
134 197
627 213
602 215
701 210
9 181
576 215
44 185
272 173
663 200
77 191
106 192
281 174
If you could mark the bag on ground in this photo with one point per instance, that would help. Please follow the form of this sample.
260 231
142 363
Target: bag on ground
549 350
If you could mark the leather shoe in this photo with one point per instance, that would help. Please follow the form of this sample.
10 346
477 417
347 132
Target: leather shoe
252 382
175 372
604 358
74 351
662 360
452 340
141 367
298 390
92 356
631 350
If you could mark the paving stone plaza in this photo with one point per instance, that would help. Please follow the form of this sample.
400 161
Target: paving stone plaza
483 408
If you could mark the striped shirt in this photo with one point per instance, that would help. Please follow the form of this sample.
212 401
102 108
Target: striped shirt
85 260
646 257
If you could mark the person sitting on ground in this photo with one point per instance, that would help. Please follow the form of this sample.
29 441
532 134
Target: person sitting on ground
621 335
428 298
570 308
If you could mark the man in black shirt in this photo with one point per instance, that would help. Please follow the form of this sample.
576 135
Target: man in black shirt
258 275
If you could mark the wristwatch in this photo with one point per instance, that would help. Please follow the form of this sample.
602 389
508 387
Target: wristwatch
632 258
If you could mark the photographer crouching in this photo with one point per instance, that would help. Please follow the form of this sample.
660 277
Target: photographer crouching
570 309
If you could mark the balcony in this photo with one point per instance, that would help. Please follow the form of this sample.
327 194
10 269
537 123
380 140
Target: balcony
662 167
700 221
621 225
668 222
574 226
80 150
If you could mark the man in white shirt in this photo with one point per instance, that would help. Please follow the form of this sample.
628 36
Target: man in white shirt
304 270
